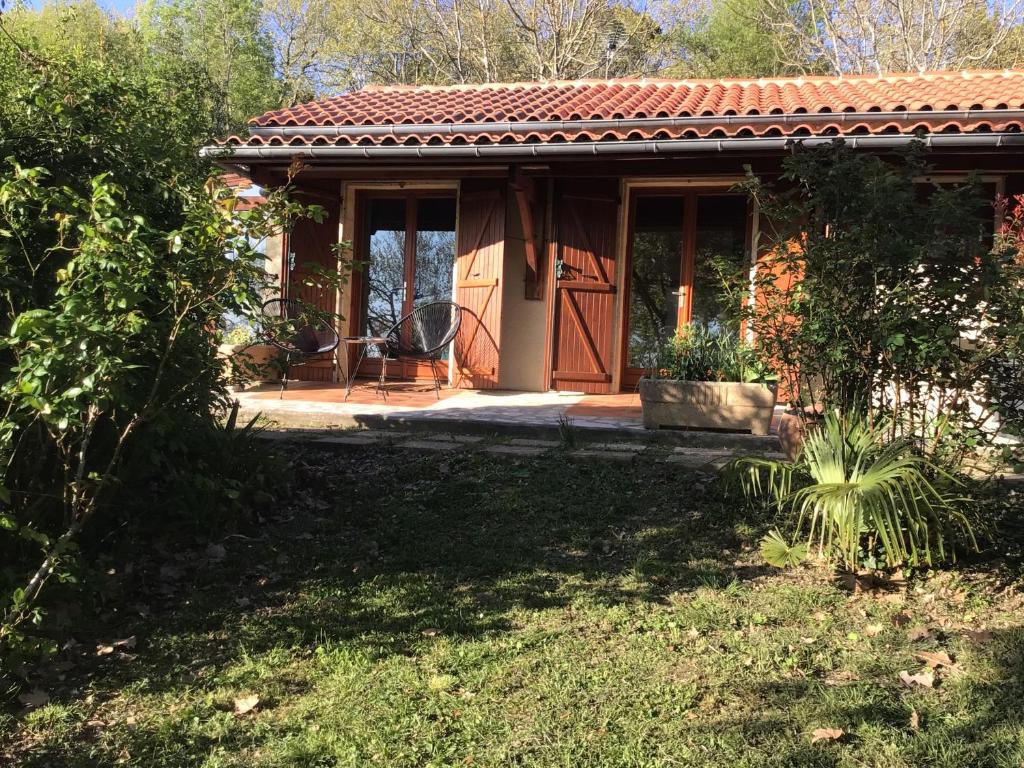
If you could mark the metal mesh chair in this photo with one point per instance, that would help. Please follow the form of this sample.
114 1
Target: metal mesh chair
302 335
423 334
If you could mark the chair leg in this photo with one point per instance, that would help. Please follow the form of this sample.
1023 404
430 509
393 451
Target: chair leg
437 382
383 374
284 375
337 365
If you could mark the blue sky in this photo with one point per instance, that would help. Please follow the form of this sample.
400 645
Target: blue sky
124 7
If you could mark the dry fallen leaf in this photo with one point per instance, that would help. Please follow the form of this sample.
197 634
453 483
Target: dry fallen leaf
246 704
935 658
37 697
918 633
891 597
924 679
873 630
901 619
431 632
915 721
106 650
826 734
978 636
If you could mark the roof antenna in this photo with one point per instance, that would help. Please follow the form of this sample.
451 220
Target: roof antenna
615 35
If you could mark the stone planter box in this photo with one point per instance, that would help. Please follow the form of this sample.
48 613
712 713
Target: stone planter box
247 357
724 405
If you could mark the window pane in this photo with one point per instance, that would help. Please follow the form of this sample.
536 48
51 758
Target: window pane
657 251
721 236
435 249
385 274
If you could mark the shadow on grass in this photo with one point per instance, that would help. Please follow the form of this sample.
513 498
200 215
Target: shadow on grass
375 547
976 723
378 550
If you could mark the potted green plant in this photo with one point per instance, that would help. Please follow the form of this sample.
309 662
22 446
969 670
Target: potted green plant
709 380
247 358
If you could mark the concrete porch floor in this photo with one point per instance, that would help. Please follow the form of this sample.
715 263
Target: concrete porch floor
413 407
415 401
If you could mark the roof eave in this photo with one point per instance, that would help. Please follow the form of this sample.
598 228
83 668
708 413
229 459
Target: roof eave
640 124
234 154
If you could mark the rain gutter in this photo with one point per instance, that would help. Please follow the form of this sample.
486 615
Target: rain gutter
603 148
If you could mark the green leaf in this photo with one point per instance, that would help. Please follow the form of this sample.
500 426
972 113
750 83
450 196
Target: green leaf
780 553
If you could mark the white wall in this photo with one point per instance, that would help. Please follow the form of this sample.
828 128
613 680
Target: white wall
523 321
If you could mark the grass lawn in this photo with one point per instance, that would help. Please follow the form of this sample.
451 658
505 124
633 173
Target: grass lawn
436 610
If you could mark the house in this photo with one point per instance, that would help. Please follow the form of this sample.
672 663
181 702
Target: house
572 221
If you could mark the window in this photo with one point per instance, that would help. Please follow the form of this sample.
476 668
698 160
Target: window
720 243
678 243
655 274
408 241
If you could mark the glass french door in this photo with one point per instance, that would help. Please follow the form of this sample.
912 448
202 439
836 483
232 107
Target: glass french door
678 240
407 253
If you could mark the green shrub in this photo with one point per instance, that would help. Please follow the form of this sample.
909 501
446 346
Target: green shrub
859 497
696 354
114 274
880 289
239 335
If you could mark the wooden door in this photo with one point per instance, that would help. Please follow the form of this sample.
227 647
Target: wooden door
478 266
313 245
582 344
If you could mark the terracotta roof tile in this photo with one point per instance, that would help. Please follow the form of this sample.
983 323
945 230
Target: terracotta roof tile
480 113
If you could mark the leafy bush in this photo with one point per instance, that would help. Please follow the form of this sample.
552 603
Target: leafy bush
879 291
114 275
222 473
859 497
1005 383
240 335
695 353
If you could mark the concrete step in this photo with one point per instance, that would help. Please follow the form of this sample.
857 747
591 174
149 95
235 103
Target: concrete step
538 435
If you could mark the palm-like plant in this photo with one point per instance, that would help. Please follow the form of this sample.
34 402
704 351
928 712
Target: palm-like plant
852 487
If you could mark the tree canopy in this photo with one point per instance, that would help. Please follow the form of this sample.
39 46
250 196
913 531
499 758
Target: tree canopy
261 54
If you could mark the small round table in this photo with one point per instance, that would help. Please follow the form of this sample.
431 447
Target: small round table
380 344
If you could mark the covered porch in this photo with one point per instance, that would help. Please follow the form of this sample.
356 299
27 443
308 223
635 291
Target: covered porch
416 402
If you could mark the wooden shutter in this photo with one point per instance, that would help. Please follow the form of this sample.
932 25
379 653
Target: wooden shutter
584 291
312 243
478 266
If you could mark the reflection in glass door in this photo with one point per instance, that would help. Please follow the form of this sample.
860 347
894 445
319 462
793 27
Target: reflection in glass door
408 255
409 241
681 243
720 248
435 250
655 275
384 294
